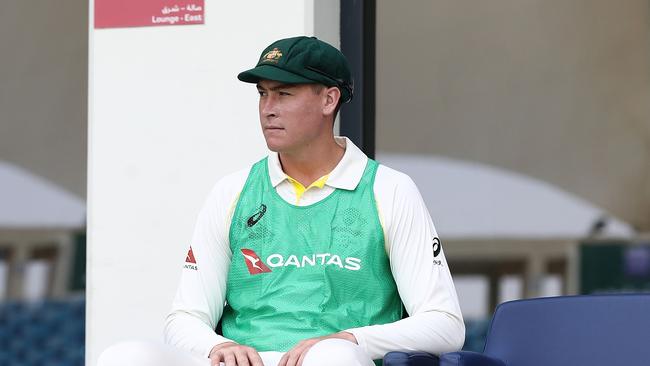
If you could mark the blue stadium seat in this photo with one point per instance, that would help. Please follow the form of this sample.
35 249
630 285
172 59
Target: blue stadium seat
55 328
598 330
475 333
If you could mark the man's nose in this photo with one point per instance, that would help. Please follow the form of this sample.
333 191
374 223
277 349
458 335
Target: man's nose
268 106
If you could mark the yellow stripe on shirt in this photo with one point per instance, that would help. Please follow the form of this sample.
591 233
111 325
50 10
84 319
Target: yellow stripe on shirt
300 189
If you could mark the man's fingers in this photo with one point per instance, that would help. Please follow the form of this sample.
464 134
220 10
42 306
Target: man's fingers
236 355
215 359
303 353
229 359
283 360
296 354
302 356
292 360
289 359
242 358
255 358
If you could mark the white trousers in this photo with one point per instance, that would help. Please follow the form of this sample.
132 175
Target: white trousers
328 352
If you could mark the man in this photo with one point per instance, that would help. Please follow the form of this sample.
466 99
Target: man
315 247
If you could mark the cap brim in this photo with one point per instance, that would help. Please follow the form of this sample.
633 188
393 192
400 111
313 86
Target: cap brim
270 72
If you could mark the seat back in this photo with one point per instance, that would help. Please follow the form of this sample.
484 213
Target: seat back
572 330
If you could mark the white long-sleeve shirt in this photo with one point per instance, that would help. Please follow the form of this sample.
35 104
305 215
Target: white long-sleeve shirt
416 257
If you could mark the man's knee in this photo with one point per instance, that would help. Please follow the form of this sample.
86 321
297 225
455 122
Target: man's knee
336 352
134 353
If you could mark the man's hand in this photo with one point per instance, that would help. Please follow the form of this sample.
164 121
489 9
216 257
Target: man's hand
233 354
296 355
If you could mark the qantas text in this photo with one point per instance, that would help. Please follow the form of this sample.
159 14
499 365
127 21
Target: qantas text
323 259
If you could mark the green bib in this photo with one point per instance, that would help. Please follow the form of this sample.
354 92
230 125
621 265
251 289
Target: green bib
299 272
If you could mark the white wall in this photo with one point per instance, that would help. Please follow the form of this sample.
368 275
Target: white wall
43 89
167 118
556 90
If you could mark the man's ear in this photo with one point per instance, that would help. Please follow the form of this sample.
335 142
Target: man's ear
332 96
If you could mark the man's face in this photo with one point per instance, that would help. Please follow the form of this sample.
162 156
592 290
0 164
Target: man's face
291 115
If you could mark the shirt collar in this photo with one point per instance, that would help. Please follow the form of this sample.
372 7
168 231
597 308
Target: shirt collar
346 174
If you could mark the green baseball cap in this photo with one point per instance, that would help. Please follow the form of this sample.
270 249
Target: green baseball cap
303 60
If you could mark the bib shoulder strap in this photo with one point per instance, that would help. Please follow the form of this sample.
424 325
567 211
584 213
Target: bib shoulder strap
369 174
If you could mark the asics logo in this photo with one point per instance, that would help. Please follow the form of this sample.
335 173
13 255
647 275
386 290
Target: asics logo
436 247
257 216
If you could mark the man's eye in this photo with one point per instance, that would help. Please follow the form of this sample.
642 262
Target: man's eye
283 93
261 93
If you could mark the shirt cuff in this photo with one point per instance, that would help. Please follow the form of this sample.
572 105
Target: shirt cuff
361 340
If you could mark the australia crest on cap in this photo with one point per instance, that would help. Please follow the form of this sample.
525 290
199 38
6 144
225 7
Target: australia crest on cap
272 56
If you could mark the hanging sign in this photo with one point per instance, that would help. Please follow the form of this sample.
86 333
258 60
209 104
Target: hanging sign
147 13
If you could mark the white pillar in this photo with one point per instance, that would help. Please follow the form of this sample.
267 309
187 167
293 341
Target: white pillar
573 268
17 263
62 264
535 270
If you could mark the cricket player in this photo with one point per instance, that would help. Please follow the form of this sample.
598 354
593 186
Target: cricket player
306 257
